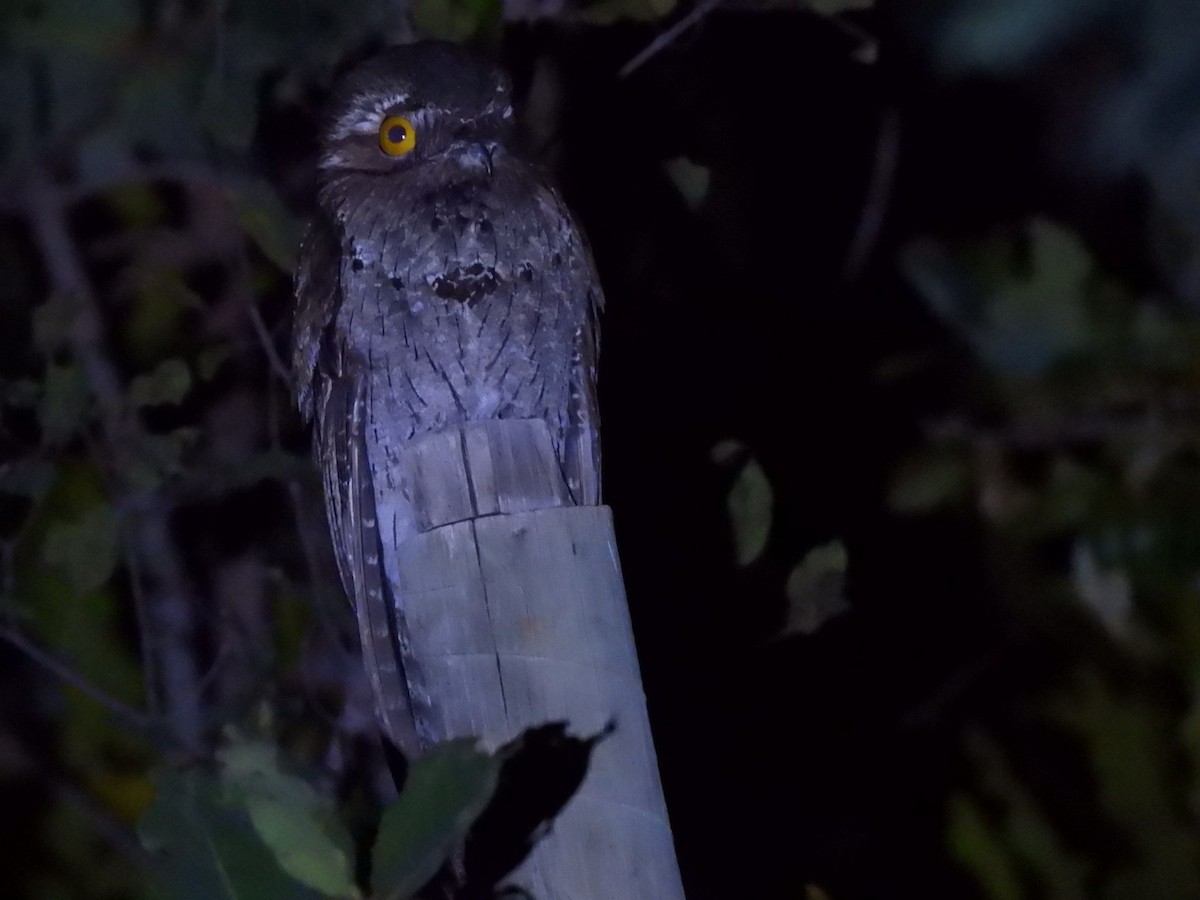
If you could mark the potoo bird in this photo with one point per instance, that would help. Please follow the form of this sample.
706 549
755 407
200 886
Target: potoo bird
445 345
443 283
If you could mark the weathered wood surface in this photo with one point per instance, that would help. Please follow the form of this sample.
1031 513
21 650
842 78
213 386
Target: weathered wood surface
512 613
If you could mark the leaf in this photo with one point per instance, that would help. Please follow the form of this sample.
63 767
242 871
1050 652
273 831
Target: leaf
750 505
607 12
456 20
445 793
128 795
1022 312
1004 35
89 628
84 549
815 589
267 223
927 482
1106 592
690 179
728 452
204 850
294 821
749 501
980 850
1037 320
158 321
157 457
168 383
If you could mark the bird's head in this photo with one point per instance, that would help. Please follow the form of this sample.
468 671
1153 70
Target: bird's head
410 104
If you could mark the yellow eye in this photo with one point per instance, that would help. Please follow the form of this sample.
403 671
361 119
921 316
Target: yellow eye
397 136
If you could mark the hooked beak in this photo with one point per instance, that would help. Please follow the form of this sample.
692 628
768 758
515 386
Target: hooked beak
479 155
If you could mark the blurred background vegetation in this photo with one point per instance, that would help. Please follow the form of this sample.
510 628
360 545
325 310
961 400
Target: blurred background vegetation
901 392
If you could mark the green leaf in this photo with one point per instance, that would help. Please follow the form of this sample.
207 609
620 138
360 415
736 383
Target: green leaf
750 503
728 452
927 482
1001 36
1023 304
607 12
691 180
158 320
980 850
1107 592
168 383
204 850
456 20
815 589
445 793
156 457
294 821
267 223
84 549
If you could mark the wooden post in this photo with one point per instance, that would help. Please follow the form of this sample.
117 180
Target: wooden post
518 617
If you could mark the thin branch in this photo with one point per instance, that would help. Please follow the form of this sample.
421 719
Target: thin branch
668 37
268 345
879 191
67 675
169 619
141 610
65 270
867 51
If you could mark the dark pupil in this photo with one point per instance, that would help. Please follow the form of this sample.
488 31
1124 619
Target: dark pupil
396 134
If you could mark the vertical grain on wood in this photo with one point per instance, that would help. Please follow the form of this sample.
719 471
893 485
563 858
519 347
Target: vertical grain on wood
516 612
523 620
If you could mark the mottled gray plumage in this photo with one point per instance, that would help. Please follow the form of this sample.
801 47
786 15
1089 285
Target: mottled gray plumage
440 288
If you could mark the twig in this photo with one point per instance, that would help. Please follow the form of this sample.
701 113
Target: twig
67 275
141 611
879 190
264 337
660 43
868 46
67 675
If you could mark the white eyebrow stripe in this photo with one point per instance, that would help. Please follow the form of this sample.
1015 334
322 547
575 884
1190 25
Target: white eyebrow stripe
360 120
